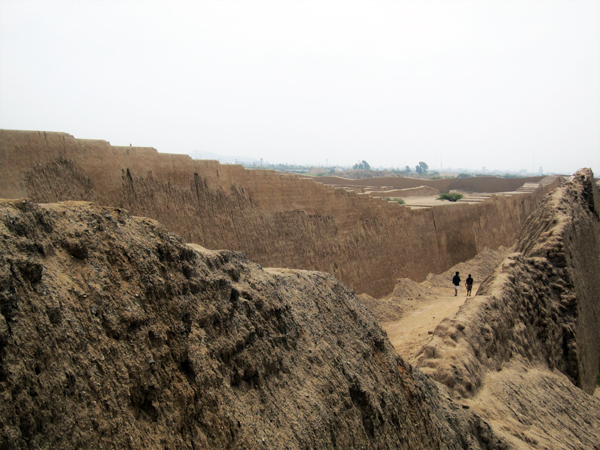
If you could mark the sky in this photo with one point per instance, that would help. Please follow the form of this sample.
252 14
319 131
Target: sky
505 85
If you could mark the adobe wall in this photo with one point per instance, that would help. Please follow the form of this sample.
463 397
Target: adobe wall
541 304
276 220
582 252
114 331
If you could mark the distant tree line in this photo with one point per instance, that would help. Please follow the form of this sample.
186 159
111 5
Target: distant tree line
422 168
362 165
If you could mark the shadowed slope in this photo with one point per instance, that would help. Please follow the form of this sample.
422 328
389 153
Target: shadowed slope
116 332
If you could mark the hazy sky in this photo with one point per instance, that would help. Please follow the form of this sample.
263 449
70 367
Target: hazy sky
504 84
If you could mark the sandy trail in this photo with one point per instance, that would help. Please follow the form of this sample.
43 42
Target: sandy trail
509 400
422 306
415 328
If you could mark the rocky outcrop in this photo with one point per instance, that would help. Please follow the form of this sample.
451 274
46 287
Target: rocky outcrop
115 332
276 220
540 310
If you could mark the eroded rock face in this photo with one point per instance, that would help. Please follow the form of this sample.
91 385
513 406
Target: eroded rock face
114 331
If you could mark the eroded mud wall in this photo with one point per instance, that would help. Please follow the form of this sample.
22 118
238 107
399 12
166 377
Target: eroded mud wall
276 220
541 305
581 247
115 332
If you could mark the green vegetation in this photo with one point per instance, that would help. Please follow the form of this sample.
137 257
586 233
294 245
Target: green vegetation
363 165
397 200
450 197
406 171
422 168
463 175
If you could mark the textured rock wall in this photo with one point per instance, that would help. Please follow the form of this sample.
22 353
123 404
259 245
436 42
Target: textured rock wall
542 304
115 332
276 220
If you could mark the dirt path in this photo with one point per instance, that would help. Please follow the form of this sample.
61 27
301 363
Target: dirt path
422 306
414 330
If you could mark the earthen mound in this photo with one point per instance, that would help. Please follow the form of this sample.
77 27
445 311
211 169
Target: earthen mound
527 345
115 332
408 289
479 267
384 310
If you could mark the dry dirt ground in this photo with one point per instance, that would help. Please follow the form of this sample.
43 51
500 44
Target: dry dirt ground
411 313
509 399
414 330
116 334
432 200
419 316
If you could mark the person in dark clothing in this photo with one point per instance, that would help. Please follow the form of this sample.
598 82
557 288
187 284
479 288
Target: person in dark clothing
456 283
469 285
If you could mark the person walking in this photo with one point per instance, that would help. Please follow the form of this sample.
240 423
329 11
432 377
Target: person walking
456 283
469 285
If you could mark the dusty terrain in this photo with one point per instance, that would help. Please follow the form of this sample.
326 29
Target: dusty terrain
523 402
115 332
410 314
476 184
275 220
510 399
414 330
359 174
494 351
